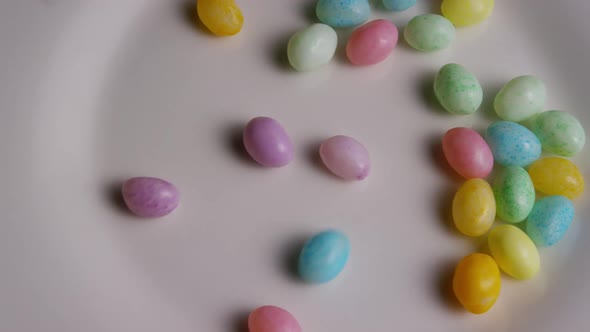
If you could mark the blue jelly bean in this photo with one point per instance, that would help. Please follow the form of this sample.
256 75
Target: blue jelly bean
324 256
343 13
398 5
512 144
549 220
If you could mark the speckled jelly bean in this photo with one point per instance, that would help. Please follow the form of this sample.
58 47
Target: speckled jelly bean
557 176
457 89
474 207
324 256
343 13
267 142
312 47
398 5
467 153
429 32
272 319
371 43
512 144
514 193
150 197
549 220
559 132
345 157
221 17
467 12
477 283
514 251
520 98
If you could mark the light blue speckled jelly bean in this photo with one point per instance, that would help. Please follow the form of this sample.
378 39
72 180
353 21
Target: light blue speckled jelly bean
324 256
512 144
398 5
343 13
549 220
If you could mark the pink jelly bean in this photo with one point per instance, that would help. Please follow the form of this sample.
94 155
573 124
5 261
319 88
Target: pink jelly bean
345 157
272 319
467 153
150 197
371 43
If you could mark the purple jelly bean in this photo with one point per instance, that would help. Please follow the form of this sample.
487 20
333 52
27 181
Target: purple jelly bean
150 197
267 142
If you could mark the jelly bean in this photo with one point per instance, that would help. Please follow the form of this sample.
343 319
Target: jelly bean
457 90
514 251
513 144
467 12
323 257
467 153
267 142
150 197
272 319
474 207
398 5
221 17
514 193
371 43
520 98
312 47
345 157
343 13
429 32
557 176
549 220
559 132
477 283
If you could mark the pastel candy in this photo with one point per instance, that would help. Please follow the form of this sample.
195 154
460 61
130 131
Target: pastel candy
272 319
520 98
324 256
514 252
457 89
467 153
221 17
557 176
267 142
512 144
477 283
429 32
343 13
312 47
514 193
150 197
398 5
549 220
467 12
559 132
345 157
372 42
474 207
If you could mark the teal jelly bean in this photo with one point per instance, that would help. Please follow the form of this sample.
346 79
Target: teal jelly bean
514 193
520 98
559 132
343 13
324 256
429 32
457 89
512 144
398 5
549 220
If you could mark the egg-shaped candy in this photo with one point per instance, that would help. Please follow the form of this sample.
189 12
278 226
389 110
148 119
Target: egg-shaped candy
272 319
398 5
429 32
474 207
324 256
514 193
520 98
559 132
221 17
557 176
267 142
457 89
345 157
371 43
150 197
514 252
312 47
343 13
477 283
467 153
512 144
467 12
549 220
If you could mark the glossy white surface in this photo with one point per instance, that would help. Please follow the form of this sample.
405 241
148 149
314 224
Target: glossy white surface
93 92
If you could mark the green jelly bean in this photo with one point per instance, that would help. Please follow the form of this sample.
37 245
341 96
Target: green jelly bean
457 89
520 98
429 32
514 193
559 132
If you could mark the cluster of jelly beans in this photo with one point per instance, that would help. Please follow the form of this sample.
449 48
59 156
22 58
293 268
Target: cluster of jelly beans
512 146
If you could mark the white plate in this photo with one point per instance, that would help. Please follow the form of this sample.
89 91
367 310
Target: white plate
96 91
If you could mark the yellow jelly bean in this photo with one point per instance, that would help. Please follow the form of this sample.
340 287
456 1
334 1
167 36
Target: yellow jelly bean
514 251
222 17
474 207
557 176
476 282
467 12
